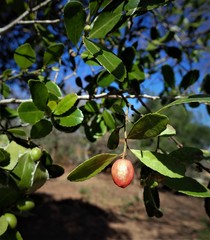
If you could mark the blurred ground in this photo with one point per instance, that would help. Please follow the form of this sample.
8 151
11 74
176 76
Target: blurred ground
97 210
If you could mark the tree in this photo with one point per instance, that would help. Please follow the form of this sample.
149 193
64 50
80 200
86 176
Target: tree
106 53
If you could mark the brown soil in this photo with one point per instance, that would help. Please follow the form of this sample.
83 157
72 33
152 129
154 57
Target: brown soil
97 210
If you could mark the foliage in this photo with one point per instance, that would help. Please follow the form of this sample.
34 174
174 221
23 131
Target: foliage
107 51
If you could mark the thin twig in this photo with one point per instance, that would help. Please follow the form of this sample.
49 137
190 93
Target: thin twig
18 19
39 21
203 167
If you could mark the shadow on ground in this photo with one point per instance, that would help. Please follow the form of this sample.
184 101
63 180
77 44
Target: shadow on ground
69 219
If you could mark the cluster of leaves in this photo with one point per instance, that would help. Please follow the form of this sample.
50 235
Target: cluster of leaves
95 36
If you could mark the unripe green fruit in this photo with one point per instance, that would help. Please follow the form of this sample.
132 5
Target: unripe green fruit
11 219
25 204
36 154
122 172
87 28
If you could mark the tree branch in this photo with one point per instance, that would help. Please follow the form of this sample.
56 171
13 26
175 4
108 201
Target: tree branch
39 21
87 97
17 20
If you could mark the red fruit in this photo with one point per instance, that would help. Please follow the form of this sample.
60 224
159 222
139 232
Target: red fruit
122 172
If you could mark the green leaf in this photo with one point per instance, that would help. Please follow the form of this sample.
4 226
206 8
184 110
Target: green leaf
55 170
174 52
168 75
188 155
11 235
74 118
29 113
23 172
114 139
65 104
92 107
8 191
190 78
169 131
53 53
105 79
4 158
149 126
25 56
17 131
41 129
136 73
105 22
53 88
206 84
91 167
3 225
193 98
107 59
149 5
152 202
95 5
74 20
39 177
162 163
15 150
96 129
188 186
5 90
39 94
108 119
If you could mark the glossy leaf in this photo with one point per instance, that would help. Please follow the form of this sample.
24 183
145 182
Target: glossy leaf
92 107
105 79
188 155
105 22
168 75
188 186
17 131
190 99
97 128
65 104
149 126
3 225
73 119
152 202
91 167
53 53
39 94
169 131
96 5
39 177
29 113
23 172
107 59
41 129
114 139
15 150
25 56
162 163
189 79
74 20
108 119
53 88
136 73
4 158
